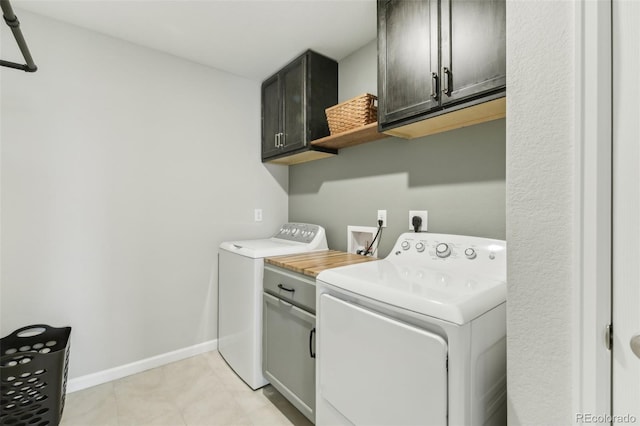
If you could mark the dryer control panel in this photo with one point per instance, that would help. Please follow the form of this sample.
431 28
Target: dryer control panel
447 251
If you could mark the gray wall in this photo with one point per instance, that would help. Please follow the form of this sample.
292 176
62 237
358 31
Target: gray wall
122 171
458 176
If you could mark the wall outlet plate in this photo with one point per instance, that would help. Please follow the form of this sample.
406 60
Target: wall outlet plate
382 215
360 237
257 215
422 214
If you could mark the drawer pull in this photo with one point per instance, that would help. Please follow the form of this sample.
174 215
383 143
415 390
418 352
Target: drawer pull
312 354
281 287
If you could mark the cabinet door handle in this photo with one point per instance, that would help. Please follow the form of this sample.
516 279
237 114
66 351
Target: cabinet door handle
283 140
434 85
275 140
312 354
281 287
279 143
446 81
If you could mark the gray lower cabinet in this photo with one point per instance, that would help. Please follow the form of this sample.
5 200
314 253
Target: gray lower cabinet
288 339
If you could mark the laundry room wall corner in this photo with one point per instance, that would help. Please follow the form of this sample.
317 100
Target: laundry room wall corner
123 169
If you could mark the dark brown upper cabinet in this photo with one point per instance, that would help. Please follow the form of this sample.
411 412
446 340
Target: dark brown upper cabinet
438 56
293 109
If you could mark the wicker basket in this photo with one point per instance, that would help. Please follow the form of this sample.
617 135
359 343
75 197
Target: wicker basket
356 112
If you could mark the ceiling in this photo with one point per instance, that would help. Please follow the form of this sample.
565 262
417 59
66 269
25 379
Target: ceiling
250 38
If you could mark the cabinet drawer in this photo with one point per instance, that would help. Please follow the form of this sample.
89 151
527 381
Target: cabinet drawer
294 288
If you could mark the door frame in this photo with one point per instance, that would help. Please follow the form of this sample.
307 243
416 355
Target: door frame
592 285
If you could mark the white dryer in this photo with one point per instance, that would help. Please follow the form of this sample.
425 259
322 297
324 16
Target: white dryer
240 274
418 338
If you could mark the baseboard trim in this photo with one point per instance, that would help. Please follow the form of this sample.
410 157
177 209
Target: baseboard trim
115 373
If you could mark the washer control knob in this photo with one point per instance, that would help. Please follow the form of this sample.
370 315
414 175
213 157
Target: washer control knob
443 250
470 253
405 245
420 247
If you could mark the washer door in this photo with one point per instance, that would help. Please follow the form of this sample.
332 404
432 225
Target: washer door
376 370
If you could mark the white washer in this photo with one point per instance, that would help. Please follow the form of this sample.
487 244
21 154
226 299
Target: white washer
240 272
418 338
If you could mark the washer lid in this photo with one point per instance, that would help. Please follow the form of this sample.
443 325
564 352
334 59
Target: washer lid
444 294
256 249
291 238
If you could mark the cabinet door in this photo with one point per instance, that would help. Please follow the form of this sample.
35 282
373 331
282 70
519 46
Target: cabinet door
271 112
293 98
473 48
407 58
287 340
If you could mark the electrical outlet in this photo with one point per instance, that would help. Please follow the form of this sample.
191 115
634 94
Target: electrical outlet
423 215
257 215
382 215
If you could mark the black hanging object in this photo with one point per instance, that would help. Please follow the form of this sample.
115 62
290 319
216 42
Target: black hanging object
12 21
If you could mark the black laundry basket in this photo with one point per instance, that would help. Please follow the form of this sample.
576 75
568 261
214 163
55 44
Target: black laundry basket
33 365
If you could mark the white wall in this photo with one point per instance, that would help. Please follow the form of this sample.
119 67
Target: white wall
541 72
122 171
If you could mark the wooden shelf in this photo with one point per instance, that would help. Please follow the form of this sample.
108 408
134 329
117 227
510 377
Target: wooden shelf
346 139
352 137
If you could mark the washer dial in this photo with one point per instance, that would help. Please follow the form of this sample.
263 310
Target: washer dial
443 250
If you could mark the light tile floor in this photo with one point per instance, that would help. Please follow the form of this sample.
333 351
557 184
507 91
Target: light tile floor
198 391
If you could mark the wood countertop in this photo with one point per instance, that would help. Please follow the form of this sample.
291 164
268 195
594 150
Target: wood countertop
311 264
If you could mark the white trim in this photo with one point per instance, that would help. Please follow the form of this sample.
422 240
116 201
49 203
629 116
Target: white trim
115 373
591 381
